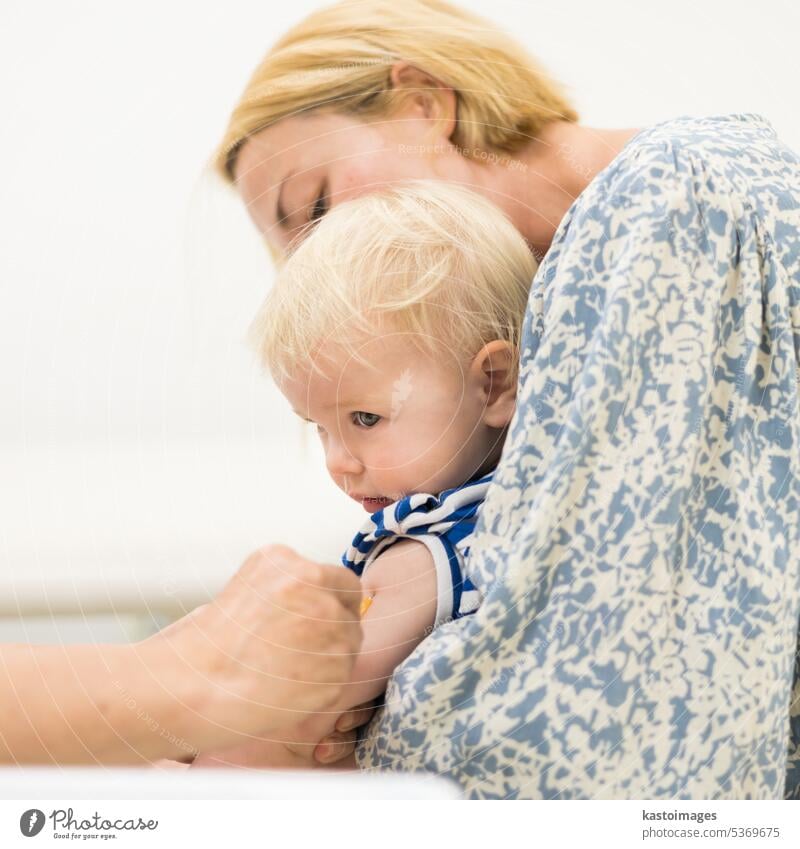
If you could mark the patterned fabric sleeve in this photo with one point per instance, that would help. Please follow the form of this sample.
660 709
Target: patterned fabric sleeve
639 548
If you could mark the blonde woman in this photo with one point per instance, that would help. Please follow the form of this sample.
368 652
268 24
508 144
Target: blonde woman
640 541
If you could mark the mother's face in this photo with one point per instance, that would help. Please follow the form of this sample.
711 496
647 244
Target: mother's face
295 170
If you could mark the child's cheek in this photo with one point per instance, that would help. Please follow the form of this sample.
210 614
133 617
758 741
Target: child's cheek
393 461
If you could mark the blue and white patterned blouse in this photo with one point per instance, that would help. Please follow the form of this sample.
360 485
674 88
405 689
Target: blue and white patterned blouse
639 548
444 524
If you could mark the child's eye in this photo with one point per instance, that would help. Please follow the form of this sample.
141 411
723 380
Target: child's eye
363 419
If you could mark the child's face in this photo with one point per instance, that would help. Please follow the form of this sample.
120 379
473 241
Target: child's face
413 422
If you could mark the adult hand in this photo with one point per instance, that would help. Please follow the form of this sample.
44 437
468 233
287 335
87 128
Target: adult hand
279 640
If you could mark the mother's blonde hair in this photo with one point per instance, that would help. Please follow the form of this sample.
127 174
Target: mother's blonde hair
341 57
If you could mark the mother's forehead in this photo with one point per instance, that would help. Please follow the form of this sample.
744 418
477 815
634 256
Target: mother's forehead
290 135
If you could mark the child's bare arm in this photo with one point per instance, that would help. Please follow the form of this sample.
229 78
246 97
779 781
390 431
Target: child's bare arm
402 585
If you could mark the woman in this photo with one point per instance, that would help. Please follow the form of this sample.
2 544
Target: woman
279 638
639 549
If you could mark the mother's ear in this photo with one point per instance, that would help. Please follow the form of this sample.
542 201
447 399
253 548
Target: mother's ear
426 96
491 373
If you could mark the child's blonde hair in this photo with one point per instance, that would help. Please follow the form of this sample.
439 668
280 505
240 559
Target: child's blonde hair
427 258
341 57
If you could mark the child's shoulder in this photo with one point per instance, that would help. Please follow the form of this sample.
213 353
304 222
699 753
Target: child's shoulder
399 565
451 514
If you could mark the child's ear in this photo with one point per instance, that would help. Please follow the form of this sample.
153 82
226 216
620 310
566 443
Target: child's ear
491 372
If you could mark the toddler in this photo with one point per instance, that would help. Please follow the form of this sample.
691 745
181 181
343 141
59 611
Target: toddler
394 330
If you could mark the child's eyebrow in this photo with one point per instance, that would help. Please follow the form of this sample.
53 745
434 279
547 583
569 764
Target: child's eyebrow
364 402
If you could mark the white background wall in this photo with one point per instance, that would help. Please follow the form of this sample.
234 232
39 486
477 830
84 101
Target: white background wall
128 274
128 277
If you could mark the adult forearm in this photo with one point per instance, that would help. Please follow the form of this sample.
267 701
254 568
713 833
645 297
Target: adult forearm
280 638
93 704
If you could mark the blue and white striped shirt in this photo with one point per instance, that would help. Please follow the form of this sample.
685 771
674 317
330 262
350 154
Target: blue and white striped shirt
444 524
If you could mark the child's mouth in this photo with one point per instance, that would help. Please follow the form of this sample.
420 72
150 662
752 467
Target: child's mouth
372 505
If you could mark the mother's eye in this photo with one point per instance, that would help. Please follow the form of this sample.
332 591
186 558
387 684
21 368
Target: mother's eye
363 419
320 206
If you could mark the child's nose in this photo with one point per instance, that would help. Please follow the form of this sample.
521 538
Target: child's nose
339 460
